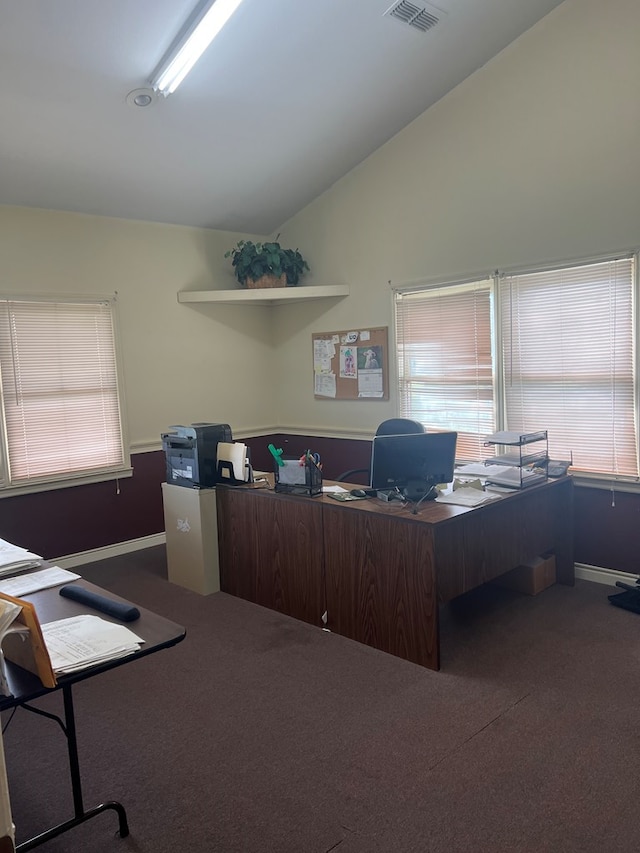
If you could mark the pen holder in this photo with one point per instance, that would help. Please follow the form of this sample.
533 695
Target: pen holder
298 478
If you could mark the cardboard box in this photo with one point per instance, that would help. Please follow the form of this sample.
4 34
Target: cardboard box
532 577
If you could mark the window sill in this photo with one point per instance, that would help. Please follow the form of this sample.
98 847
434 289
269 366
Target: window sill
606 484
53 485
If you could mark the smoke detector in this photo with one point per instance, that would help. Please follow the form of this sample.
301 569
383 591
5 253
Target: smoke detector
141 98
420 16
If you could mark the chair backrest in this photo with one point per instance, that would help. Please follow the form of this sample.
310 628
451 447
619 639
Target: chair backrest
399 426
393 426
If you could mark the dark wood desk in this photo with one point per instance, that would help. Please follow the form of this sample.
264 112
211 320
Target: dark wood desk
373 571
157 632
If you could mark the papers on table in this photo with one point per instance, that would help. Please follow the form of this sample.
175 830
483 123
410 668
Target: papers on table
502 475
15 559
467 497
516 477
21 642
8 612
478 469
34 581
86 640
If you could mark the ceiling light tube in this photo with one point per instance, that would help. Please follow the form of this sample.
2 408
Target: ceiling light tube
189 50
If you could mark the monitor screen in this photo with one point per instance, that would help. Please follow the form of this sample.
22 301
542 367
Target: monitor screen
412 463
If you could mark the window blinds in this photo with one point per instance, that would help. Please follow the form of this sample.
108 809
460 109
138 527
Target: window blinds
59 389
444 347
568 354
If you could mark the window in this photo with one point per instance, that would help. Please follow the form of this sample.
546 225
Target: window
445 365
60 402
562 358
568 356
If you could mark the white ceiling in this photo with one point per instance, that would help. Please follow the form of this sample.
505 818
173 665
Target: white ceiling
288 98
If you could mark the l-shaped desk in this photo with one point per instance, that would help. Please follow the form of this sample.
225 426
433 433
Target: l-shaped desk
375 572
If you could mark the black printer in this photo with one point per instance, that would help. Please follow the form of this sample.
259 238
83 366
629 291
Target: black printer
190 453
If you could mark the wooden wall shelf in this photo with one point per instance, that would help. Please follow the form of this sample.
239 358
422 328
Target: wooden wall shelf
265 296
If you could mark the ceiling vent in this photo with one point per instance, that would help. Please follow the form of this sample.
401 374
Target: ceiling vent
420 16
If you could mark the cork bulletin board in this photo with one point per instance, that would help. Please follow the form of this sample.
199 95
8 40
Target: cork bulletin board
351 365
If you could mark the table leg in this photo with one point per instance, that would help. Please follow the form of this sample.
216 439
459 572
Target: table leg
81 815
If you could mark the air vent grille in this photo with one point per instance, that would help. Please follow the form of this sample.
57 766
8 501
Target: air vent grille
415 15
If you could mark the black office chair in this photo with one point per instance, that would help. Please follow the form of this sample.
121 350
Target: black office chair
393 426
399 426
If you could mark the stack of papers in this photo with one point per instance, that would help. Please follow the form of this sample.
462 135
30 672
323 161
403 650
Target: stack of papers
86 640
516 477
8 612
15 559
478 469
467 497
34 581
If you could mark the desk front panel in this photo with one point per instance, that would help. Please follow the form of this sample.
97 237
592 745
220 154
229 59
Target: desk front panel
270 551
377 569
380 582
483 544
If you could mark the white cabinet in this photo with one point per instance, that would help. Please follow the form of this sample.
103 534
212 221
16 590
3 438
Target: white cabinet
191 527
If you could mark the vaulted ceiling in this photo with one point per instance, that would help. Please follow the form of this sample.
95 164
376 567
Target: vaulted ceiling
289 97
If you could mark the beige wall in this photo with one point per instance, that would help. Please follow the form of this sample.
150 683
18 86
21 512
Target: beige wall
535 157
182 364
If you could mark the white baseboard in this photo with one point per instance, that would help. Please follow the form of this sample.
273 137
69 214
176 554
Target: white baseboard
599 575
70 561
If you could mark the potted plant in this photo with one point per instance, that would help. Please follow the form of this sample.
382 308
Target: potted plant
266 264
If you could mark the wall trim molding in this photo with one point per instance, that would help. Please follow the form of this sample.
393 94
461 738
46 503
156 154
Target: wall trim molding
153 445
70 561
600 575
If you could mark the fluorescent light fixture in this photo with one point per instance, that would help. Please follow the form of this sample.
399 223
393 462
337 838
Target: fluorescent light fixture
190 48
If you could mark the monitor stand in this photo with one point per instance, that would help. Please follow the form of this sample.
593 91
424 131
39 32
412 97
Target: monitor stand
419 490
390 495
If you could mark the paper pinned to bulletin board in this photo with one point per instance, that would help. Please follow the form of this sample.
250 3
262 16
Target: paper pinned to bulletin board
351 365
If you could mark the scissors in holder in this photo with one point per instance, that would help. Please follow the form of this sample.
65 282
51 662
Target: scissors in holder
308 456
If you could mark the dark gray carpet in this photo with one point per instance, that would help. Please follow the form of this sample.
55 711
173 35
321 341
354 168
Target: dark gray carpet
259 733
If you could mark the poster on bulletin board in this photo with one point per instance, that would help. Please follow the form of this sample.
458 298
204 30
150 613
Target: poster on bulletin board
351 365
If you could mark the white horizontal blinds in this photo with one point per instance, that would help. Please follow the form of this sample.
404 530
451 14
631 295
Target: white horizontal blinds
59 388
569 362
444 342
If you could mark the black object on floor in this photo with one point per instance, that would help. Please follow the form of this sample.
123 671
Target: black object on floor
629 599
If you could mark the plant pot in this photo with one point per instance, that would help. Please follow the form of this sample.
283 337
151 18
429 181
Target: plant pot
267 281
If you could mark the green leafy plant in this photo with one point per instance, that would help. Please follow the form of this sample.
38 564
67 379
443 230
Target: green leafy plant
253 260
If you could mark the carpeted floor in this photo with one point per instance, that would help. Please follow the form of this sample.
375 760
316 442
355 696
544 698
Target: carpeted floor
259 733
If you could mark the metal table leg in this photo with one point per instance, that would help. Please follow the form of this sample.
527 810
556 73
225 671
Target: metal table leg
81 815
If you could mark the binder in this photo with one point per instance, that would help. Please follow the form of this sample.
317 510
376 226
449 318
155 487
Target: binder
30 651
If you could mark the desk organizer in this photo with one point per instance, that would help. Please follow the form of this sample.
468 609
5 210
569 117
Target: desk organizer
298 478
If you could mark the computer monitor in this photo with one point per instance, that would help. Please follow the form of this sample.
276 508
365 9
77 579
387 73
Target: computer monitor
412 464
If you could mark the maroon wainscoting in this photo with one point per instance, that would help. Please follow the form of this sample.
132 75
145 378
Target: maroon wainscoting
81 518
337 454
607 529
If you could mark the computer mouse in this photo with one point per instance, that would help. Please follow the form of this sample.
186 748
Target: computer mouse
358 493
